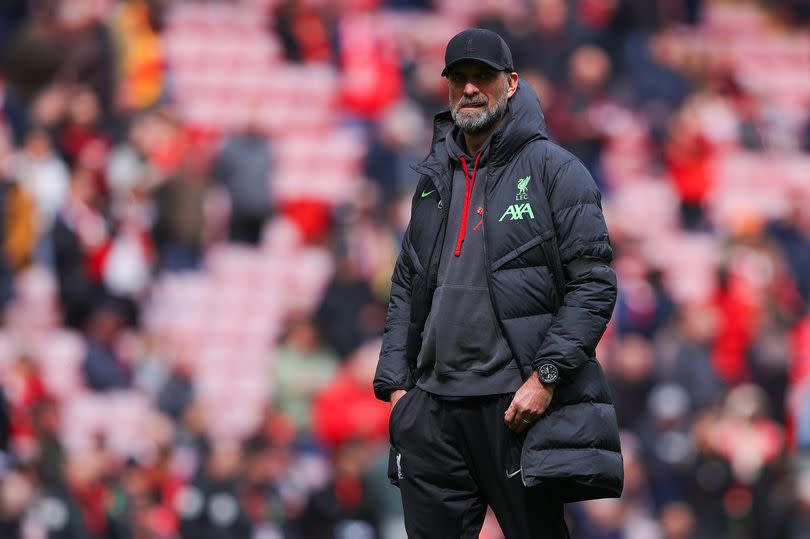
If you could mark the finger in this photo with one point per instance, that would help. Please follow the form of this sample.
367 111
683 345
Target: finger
525 421
509 416
520 424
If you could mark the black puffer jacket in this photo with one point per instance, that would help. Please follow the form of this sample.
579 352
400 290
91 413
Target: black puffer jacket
530 226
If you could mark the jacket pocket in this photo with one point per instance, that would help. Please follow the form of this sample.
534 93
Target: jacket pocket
521 250
396 412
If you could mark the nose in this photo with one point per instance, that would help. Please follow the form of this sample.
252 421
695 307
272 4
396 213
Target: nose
470 89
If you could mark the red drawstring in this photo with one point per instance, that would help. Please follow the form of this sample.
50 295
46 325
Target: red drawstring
468 187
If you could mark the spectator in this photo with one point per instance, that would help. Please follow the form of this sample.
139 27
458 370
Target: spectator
665 443
349 313
30 62
17 234
82 140
177 392
631 380
796 523
129 163
365 241
266 465
302 368
691 365
50 457
49 108
397 144
243 168
79 236
16 495
103 368
178 230
644 305
677 521
792 235
140 55
87 50
688 156
369 54
210 508
344 507
42 174
306 33
651 62
586 107
363 417
555 35
127 259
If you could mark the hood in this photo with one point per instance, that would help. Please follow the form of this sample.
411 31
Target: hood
524 122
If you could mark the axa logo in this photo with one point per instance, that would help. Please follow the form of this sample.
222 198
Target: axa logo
517 211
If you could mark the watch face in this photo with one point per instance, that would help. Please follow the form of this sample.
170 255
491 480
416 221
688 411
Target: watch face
548 373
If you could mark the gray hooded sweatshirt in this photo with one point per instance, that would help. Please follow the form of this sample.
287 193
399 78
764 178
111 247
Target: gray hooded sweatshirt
463 350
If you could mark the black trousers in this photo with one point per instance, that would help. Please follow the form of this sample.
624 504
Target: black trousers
453 458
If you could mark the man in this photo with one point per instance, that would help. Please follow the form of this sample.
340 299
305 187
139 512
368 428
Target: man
499 297
243 168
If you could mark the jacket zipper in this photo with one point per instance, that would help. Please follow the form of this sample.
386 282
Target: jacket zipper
498 328
444 209
431 286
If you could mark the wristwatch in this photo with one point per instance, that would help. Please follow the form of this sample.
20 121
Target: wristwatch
548 373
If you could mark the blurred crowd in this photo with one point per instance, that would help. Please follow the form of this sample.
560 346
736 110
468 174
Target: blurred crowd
691 115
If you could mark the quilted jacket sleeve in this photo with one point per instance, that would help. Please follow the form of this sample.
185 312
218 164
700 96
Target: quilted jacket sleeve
393 371
585 253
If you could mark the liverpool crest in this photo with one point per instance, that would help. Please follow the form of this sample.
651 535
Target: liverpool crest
523 187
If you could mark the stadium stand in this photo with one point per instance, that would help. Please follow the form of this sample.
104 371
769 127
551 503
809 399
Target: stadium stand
177 362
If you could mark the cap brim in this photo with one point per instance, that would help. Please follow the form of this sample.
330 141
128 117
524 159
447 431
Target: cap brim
490 63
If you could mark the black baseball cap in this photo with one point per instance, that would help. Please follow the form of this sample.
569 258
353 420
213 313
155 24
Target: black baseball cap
478 44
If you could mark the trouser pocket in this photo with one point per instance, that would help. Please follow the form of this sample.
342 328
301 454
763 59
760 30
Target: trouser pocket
514 448
512 444
394 466
394 455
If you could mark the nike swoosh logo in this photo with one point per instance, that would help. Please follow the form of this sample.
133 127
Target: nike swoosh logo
427 193
513 474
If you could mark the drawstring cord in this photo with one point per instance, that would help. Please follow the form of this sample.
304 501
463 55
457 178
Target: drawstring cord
468 187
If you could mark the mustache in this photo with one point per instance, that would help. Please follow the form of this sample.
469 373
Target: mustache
470 102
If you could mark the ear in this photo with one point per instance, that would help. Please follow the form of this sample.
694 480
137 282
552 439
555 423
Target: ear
512 81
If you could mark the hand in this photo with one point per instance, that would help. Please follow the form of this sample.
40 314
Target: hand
395 396
529 403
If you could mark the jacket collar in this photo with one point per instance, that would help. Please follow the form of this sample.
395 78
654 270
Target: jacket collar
525 123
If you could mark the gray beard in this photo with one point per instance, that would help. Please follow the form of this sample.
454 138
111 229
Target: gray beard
475 122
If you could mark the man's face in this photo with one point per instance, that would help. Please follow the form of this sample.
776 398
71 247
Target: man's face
478 95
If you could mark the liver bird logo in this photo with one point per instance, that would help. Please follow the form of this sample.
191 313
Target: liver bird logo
523 185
